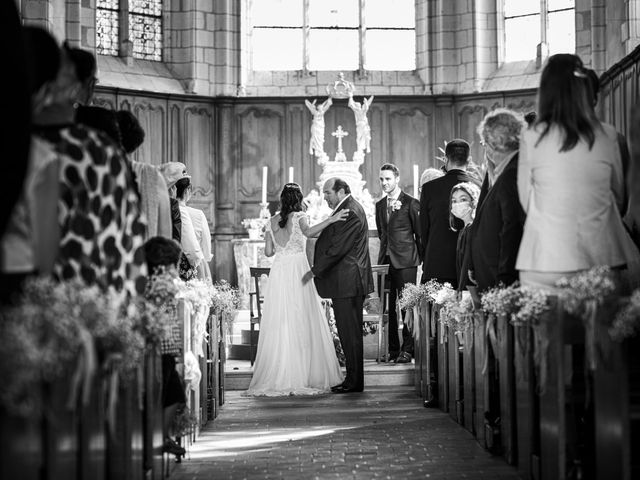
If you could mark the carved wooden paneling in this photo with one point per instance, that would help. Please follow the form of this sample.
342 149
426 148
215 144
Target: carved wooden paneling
297 148
176 136
199 156
261 138
411 134
105 99
152 115
469 117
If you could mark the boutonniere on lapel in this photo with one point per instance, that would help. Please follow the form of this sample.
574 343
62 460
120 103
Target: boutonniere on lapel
396 205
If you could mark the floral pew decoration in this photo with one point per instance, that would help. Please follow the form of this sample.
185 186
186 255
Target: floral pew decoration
55 328
225 302
589 292
521 306
456 308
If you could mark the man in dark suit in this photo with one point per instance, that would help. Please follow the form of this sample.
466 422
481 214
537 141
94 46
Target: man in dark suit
342 271
399 232
438 240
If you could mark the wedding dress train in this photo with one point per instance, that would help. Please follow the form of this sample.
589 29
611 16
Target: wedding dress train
295 355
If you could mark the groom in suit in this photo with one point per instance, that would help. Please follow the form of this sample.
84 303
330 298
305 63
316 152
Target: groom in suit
399 232
342 271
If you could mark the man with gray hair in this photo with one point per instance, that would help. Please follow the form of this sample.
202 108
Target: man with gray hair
342 271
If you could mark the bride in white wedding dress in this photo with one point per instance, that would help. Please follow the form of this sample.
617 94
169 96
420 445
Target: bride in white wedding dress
296 355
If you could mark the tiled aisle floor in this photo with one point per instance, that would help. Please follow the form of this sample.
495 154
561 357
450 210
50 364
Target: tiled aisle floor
382 433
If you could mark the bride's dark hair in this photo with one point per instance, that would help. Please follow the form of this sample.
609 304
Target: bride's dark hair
290 201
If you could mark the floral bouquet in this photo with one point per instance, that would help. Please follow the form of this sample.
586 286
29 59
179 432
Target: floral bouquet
411 296
592 286
40 340
522 305
457 313
444 294
155 314
225 301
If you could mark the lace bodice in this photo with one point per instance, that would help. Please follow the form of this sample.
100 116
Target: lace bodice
297 241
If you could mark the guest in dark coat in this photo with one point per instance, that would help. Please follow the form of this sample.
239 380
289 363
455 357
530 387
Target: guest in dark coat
342 271
438 240
497 228
399 232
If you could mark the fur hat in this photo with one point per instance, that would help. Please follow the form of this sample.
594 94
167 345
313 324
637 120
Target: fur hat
172 172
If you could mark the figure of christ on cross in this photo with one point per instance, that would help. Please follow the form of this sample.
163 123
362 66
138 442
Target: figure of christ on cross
340 134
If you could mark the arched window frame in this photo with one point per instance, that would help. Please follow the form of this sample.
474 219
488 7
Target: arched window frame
546 9
306 30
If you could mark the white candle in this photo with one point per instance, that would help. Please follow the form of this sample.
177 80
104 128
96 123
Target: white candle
264 184
290 174
415 181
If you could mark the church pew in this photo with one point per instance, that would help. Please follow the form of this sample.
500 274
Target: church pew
153 415
613 420
430 359
92 435
420 314
564 335
22 454
481 391
468 380
125 445
527 403
504 355
454 370
60 433
442 363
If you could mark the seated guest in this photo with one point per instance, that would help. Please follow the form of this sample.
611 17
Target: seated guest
495 236
464 201
163 254
570 182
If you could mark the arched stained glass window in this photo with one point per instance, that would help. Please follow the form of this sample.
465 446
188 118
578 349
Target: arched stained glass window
139 21
108 27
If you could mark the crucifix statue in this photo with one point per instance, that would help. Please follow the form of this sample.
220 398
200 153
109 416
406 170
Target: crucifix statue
339 134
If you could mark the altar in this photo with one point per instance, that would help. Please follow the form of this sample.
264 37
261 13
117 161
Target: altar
250 252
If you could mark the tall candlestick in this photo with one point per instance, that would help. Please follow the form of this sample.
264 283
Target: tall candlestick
290 174
264 184
415 181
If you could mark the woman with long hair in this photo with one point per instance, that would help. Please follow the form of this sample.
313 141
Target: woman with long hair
296 355
570 182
